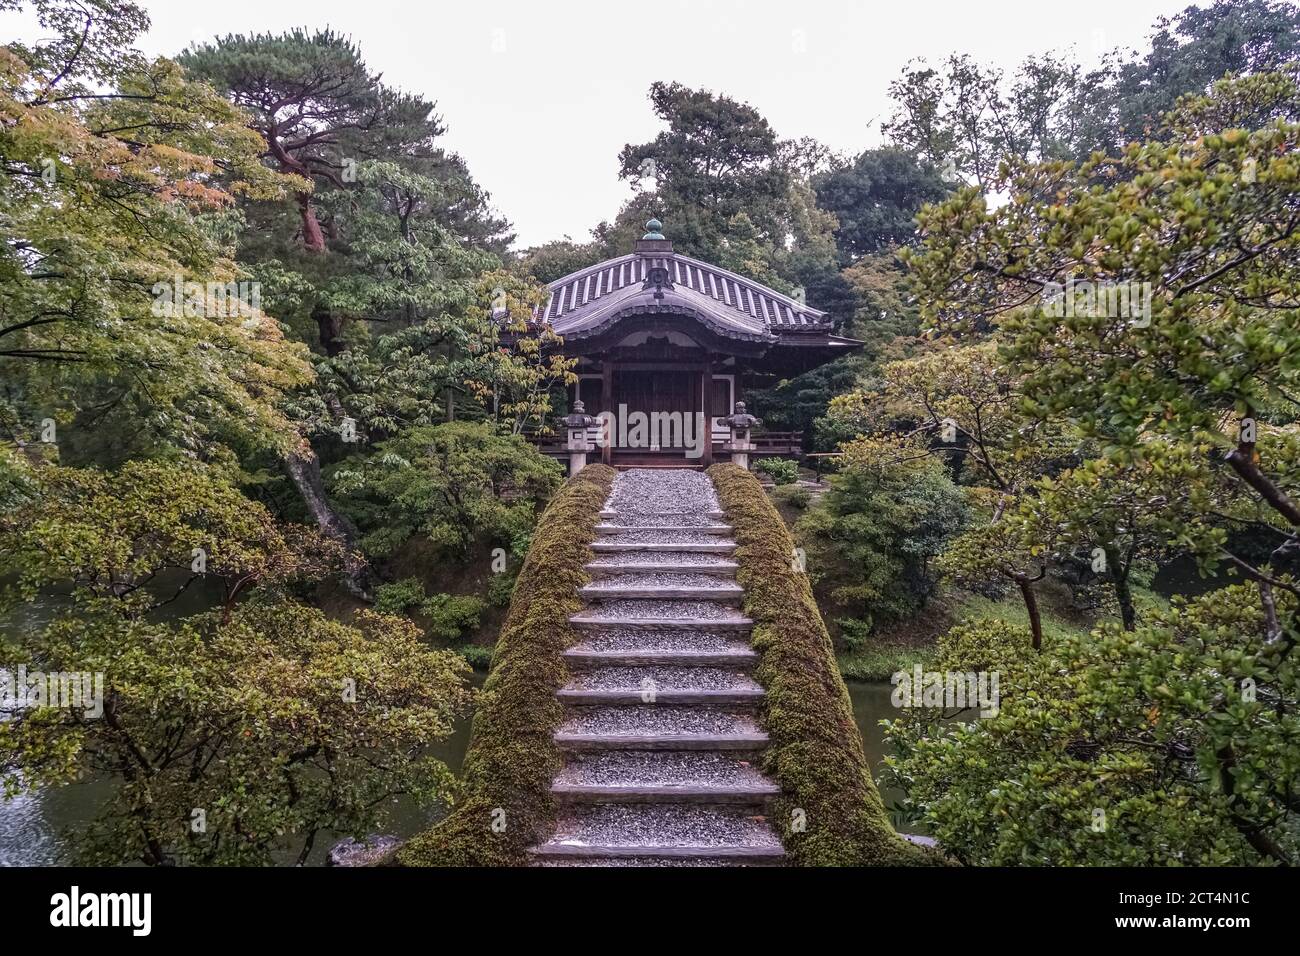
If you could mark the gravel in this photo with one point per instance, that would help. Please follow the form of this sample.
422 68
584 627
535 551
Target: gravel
653 720
694 520
630 639
686 559
660 768
649 491
666 579
666 610
665 536
665 678
663 825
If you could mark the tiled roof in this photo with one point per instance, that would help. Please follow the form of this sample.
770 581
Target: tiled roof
590 298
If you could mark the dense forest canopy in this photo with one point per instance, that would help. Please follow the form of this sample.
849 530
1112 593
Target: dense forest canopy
263 336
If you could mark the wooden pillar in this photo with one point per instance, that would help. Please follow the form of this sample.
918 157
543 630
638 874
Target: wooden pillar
706 402
607 399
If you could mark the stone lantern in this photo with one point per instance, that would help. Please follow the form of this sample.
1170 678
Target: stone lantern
579 444
740 423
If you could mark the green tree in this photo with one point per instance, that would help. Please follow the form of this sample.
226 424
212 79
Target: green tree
1173 744
869 541
452 483
231 736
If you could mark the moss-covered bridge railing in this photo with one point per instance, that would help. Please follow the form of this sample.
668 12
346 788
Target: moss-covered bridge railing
828 811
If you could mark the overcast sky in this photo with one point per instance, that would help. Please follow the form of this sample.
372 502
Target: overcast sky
540 96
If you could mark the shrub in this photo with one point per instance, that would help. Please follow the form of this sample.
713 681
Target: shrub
1148 732
446 616
782 471
870 539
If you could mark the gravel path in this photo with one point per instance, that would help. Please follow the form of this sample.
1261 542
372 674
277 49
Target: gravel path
663 825
648 491
726 825
662 678
665 536
650 768
654 720
668 610
626 639
664 579
684 559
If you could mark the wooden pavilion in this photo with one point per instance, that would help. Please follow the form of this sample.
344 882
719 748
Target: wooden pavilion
665 336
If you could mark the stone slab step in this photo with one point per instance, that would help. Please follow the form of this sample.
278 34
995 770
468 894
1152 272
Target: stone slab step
664 678
612 592
662 777
659 727
645 528
618 831
740 656
610 513
685 547
677 648
715 566
598 618
661 696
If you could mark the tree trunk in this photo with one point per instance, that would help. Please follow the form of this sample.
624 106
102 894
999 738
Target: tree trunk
303 467
1031 607
331 330
1123 594
313 239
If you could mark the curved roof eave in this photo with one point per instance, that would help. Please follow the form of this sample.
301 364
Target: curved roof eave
738 305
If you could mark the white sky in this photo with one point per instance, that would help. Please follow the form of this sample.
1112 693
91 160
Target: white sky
540 96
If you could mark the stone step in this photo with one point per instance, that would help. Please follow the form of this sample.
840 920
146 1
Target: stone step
677 648
662 679
651 564
739 656
608 590
633 695
662 615
662 831
713 514
652 528
662 777
684 547
659 727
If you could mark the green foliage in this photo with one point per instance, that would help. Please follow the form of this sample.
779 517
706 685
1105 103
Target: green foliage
870 539
118 177
875 199
880 662
512 756
446 616
816 751
113 535
1116 748
477 656
453 483
273 720
782 471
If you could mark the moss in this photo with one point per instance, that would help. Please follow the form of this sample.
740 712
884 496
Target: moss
816 753
512 756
